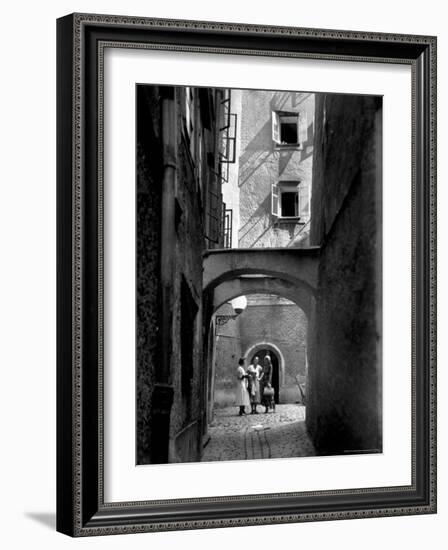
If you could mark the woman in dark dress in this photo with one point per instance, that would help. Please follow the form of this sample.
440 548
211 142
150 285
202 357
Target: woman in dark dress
266 389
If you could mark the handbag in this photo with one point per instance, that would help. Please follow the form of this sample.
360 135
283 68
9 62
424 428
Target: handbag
268 392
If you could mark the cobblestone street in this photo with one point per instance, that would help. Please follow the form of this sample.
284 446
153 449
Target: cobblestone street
273 435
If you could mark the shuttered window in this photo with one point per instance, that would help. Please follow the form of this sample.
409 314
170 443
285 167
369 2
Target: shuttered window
290 200
289 129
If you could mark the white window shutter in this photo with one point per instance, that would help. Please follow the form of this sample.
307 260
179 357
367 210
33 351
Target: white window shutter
302 128
275 127
274 200
304 202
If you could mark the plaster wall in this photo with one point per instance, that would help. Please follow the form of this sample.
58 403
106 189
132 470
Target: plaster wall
344 411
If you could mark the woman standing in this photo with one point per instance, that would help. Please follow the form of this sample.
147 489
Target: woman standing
254 371
242 395
267 391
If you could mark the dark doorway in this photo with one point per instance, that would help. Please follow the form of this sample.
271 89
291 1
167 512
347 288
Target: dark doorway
275 370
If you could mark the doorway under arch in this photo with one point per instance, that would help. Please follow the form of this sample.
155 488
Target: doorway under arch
261 354
260 350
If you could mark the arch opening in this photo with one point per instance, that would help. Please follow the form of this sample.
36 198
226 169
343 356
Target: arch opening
263 349
238 286
270 324
212 281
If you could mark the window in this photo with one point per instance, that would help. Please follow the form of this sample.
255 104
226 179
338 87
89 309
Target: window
289 204
289 132
289 129
290 200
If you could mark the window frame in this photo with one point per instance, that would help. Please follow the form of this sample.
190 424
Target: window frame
302 129
288 186
293 191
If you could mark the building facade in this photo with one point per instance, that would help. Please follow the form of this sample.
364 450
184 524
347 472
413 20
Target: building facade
270 181
269 192
181 159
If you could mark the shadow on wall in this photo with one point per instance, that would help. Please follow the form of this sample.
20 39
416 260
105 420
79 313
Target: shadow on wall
258 224
255 154
280 99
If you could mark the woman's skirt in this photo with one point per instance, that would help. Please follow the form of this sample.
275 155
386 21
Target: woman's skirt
267 401
242 395
255 395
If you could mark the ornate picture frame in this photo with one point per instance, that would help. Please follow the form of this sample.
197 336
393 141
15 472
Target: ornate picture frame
81 506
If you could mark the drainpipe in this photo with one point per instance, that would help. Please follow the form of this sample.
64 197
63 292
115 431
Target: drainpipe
163 391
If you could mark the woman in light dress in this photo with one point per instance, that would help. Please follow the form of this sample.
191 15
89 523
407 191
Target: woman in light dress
254 371
242 395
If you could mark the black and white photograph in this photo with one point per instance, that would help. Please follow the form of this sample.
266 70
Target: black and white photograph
258 274
222 237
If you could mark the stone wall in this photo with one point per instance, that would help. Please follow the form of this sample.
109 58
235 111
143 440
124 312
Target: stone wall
171 402
283 325
186 408
344 350
149 178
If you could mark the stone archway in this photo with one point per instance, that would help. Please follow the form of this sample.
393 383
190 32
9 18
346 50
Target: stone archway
225 292
256 348
289 273
247 285
299 266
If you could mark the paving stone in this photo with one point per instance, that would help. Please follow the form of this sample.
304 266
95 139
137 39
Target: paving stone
265 435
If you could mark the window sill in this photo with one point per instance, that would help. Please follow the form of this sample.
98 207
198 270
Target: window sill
290 219
288 146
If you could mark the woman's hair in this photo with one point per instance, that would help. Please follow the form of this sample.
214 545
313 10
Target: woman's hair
241 361
267 359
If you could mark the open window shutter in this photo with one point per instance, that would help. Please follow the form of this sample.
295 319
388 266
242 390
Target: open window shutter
302 128
274 200
304 202
275 127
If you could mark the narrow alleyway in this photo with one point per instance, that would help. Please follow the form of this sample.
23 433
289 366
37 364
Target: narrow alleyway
273 435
